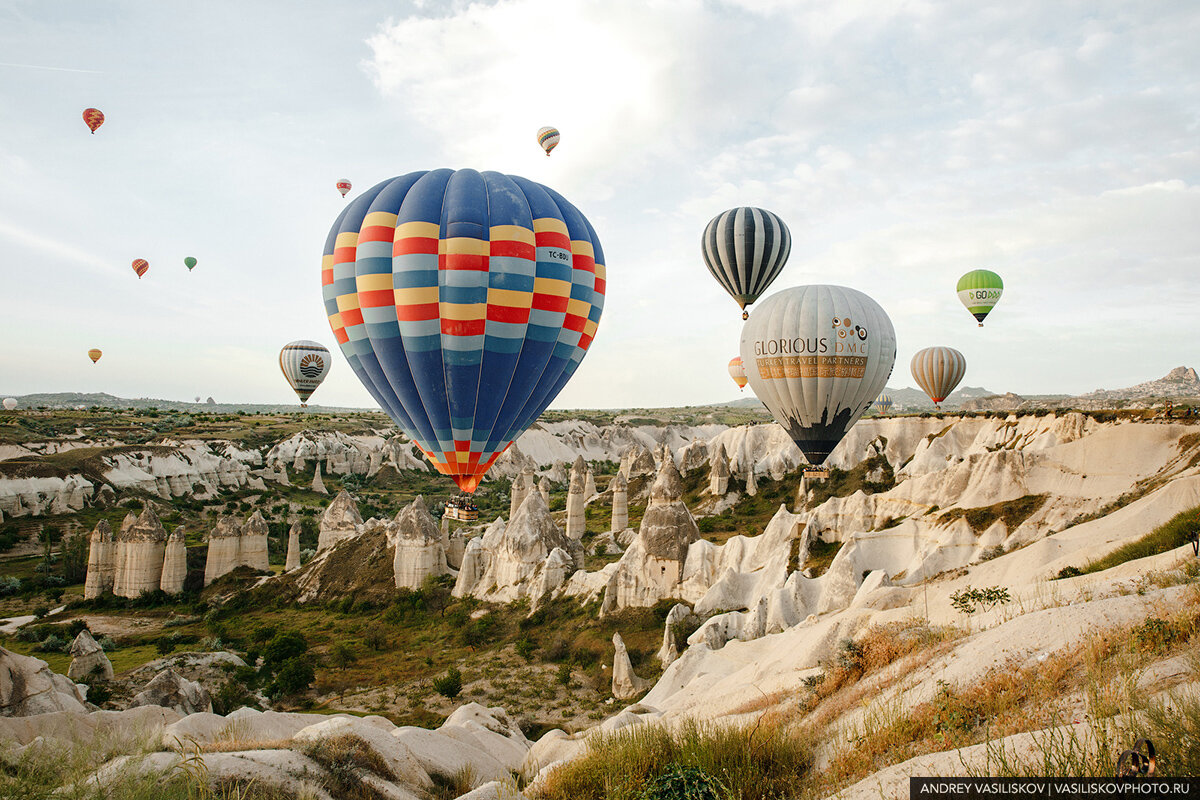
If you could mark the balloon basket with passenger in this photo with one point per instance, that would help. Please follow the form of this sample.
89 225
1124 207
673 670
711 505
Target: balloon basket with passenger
462 508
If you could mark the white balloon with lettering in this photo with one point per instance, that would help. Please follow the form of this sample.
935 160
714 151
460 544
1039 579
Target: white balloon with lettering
818 356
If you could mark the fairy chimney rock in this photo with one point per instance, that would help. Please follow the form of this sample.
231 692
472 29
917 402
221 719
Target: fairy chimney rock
101 567
145 544
293 550
589 485
718 476
174 571
88 662
418 542
576 500
751 481
340 521
224 549
543 488
521 488
625 684
620 503
318 485
253 551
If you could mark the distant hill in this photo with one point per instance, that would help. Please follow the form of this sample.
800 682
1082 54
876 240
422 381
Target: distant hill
104 400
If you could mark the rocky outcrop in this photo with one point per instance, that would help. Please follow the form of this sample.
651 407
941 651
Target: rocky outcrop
521 488
620 503
317 484
293 549
340 521
101 569
693 456
523 558
174 571
751 481
28 687
637 462
543 488
224 549
170 690
34 496
589 485
677 616
625 684
718 475
419 550
576 500
253 550
652 567
140 548
344 454
88 661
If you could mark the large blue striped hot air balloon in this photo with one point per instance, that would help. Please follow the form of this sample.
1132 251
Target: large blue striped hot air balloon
464 301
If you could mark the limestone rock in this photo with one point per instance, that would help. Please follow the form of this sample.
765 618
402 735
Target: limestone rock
620 503
224 549
693 456
605 544
253 551
669 651
625 684
141 547
636 462
88 661
101 557
28 687
521 488
169 690
718 476
589 485
174 571
751 482
318 485
576 500
543 488
340 521
418 543
293 550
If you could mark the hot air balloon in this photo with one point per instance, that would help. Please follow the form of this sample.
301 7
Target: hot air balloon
980 290
883 403
10 403
343 186
745 249
94 355
737 371
305 364
818 356
464 302
190 263
938 370
197 398
140 265
548 139
94 118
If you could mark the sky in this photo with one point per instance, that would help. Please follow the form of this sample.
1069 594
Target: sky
903 143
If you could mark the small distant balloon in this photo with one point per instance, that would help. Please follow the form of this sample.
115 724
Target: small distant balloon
94 118
190 263
980 290
937 370
305 364
548 139
883 403
94 355
343 186
10 403
737 371
140 265
197 398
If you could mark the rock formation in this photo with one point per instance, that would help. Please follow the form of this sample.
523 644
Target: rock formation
576 500
636 462
718 476
29 687
224 549
141 546
174 571
88 661
693 456
669 651
625 684
525 557
521 487
101 562
318 485
620 503
170 690
340 521
751 481
543 488
589 485
419 550
652 567
293 549
254 543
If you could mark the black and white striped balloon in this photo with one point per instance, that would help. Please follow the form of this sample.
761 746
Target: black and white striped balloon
745 249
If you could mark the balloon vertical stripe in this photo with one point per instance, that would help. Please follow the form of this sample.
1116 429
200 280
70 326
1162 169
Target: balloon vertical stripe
937 370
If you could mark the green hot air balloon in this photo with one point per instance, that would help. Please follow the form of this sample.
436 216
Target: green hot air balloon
980 290
189 262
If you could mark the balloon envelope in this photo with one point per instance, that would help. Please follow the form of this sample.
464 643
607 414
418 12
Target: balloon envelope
305 364
343 186
937 370
980 290
93 118
464 302
140 266
745 250
548 138
883 403
10 403
94 355
818 356
190 263
737 371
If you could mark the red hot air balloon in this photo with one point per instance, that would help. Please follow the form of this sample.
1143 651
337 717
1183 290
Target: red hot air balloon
94 118
140 265
343 186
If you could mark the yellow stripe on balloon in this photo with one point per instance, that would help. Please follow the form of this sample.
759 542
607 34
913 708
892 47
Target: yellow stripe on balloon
416 295
580 308
419 230
549 224
374 282
511 298
347 302
582 248
511 233
463 312
383 219
551 286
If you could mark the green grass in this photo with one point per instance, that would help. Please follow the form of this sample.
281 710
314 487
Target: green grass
1172 534
1011 512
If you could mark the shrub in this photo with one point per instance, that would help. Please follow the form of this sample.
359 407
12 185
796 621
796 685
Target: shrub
970 599
564 674
684 783
295 675
450 684
284 646
525 648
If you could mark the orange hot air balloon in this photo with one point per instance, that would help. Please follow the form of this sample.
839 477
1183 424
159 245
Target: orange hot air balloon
343 186
140 266
737 371
93 117
94 355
